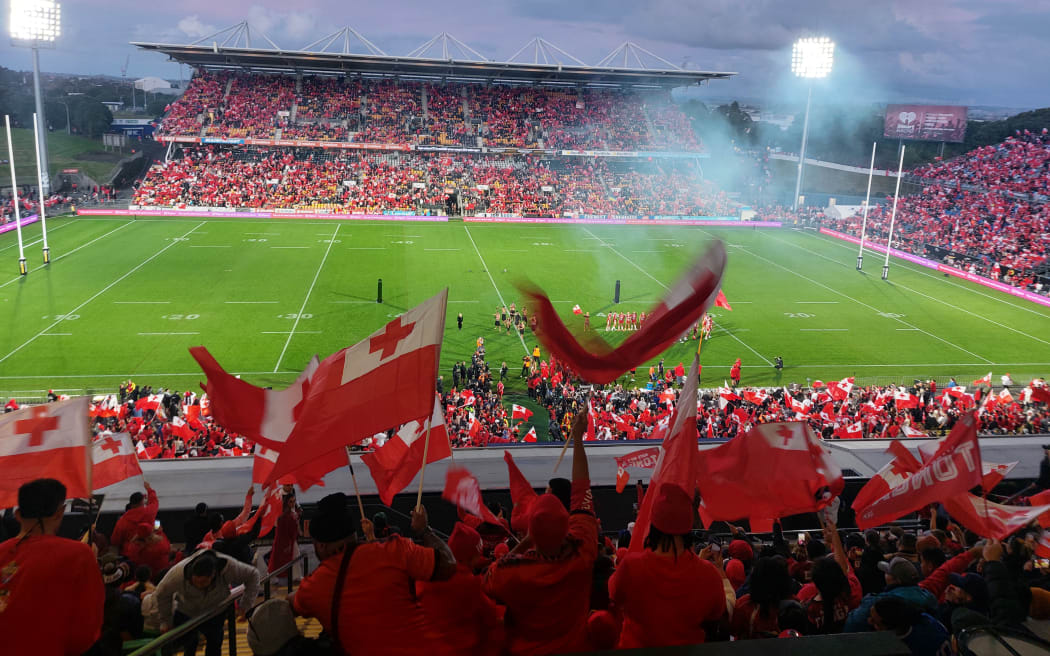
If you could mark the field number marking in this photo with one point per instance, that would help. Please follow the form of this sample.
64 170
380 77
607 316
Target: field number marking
798 315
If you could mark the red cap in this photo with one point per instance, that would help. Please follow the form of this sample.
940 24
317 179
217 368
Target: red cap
548 522
740 550
735 573
500 550
464 543
672 510
603 630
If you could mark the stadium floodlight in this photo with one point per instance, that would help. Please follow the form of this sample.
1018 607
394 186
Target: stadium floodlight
37 24
811 58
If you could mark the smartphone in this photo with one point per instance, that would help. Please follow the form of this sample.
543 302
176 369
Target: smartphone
156 524
1042 563
801 538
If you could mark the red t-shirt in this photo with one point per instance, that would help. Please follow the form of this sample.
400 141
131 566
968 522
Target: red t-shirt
460 618
548 600
51 596
664 599
378 613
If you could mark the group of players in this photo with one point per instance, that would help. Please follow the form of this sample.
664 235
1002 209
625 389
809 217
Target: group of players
511 319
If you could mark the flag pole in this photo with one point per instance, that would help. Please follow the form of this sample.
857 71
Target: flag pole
867 203
893 216
357 491
40 188
561 455
423 468
14 191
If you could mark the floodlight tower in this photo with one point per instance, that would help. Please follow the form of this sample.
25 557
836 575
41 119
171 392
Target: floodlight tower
36 24
811 58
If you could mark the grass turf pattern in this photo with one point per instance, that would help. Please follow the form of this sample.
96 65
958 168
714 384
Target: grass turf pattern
125 298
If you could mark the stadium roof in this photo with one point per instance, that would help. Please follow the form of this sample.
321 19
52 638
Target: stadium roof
442 58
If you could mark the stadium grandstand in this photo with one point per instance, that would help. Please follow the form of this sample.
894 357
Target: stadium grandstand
888 515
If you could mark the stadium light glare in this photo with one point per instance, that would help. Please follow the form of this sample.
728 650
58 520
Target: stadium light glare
813 57
37 24
36 21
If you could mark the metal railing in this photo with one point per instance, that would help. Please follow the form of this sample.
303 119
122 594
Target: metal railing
281 570
175 635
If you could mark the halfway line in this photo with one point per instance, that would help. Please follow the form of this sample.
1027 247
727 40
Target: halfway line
299 316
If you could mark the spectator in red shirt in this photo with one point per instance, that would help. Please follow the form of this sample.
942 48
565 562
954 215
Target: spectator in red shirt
363 591
51 592
757 614
460 618
545 582
834 590
137 537
666 592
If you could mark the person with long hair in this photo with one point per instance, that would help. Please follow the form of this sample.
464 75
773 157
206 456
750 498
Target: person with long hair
756 614
665 593
834 590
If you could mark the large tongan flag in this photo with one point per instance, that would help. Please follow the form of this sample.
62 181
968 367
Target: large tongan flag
46 441
113 460
903 465
397 462
678 461
385 380
310 475
952 470
595 360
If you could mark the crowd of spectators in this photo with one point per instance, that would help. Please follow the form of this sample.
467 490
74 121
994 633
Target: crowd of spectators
983 211
487 588
450 114
356 181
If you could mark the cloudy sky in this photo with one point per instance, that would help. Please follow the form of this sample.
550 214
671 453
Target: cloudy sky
975 52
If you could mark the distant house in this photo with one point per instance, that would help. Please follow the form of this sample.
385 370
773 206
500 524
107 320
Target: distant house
155 85
114 105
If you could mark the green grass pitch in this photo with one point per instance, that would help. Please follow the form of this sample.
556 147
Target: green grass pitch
125 298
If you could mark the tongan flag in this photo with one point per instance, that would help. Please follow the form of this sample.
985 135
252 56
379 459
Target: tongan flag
644 458
994 473
264 416
903 465
952 470
840 390
520 412
905 400
530 437
385 380
113 460
46 441
464 491
595 360
854 431
912 432
679 457
310 475
988 519
397 462
986 380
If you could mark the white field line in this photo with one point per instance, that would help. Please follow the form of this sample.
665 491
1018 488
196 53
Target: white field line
211 246
126 375
366 248
289 247
817 302
250 302
288 332
441 249
100 293
932 298
302 309
491 280
151 334
141 302
827 330
650 276
863 304
354 302
53 260
56 335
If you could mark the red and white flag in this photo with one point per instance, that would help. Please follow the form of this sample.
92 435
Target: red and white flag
854 431
800 407
267 513
520 412
595 360
725 395
994 473
828 414
46 441
896 471
397 462
987 380
530 437
957 392
643 458
113 460
181 428
758 397
840 390
1040 394
988 519
385 380
678 462
468 397
953 470
1005 396
310 475
264 416
905 400
464 491
911 432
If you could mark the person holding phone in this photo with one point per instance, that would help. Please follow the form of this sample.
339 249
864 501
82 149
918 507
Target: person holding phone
138 535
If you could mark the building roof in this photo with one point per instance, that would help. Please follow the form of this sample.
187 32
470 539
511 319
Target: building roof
273 60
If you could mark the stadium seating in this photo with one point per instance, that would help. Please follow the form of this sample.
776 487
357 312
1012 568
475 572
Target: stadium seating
452 114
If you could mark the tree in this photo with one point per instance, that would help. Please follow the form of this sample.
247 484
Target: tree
90 117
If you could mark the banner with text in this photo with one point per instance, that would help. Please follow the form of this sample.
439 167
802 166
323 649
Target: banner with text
925 122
